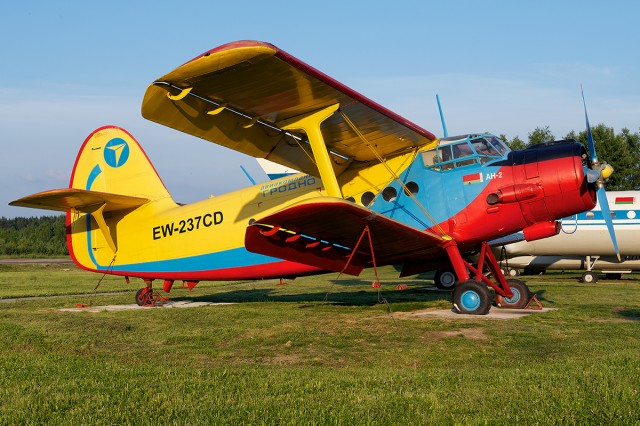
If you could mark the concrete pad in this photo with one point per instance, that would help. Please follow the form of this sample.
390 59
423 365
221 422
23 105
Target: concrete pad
494 313
169 304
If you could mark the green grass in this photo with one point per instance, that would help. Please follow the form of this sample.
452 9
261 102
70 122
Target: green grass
314 351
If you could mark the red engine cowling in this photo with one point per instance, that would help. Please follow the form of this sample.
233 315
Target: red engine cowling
557 168
540 185
549 182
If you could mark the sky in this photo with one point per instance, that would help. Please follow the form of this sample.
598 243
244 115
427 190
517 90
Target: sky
505 67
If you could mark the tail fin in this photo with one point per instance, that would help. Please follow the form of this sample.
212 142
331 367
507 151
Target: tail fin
275 170
112 176
112 161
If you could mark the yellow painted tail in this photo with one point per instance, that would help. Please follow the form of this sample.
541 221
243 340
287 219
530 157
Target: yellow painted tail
112 167
111 178
112 161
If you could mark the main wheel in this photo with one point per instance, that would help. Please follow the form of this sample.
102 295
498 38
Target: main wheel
471 297
589 277
520 298
142 296
445 279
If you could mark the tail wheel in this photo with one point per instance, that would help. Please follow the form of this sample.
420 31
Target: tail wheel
445 279
472 298
520 298
143 295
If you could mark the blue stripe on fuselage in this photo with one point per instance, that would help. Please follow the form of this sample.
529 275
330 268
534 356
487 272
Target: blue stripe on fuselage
234 258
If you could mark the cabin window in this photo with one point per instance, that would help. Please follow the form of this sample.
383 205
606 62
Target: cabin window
412 187
389 193
367 198
429 158
444 153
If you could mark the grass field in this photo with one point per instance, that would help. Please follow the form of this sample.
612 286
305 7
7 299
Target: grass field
314 351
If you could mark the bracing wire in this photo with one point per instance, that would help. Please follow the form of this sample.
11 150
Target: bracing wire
394 175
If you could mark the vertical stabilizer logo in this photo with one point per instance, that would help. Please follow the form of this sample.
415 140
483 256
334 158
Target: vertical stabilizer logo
116 152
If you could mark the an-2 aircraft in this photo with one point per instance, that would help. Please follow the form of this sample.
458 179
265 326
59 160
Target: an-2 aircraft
374 189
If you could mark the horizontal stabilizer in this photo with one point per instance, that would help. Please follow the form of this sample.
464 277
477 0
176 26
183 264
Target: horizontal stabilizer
80 200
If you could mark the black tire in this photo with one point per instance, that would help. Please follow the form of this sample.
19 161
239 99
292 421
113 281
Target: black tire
520 298
613 276
445 279
472 298
589 277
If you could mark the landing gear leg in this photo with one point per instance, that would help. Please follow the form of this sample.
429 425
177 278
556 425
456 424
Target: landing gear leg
469 286
589 276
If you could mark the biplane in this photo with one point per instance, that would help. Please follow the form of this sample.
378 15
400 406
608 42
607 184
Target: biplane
373 189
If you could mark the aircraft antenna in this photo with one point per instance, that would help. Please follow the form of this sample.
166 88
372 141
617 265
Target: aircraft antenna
252 180
444 126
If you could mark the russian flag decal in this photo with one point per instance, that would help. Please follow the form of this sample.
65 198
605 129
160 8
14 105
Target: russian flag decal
625 200
472 178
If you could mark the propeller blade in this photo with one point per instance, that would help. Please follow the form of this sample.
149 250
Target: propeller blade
590 143
606 213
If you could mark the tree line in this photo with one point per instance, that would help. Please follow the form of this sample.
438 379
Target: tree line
45 236
33 237
621 150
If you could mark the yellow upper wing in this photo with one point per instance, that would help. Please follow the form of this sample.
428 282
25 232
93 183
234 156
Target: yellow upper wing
236 94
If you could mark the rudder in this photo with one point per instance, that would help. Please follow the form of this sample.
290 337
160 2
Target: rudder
112 161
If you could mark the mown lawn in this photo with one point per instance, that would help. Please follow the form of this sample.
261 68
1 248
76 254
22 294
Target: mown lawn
314 351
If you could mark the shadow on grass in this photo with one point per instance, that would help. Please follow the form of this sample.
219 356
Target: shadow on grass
628 314
343 298
541 295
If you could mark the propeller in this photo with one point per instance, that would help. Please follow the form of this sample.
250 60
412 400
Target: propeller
598 174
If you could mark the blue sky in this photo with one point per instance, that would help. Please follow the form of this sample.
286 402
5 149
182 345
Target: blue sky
499 66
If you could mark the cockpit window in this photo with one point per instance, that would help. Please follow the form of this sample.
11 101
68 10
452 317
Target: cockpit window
483 147
461 150
499 145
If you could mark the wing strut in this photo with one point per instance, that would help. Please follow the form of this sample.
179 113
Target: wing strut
310 124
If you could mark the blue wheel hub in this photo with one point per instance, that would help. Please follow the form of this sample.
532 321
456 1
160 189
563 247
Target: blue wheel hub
470 300
515 298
